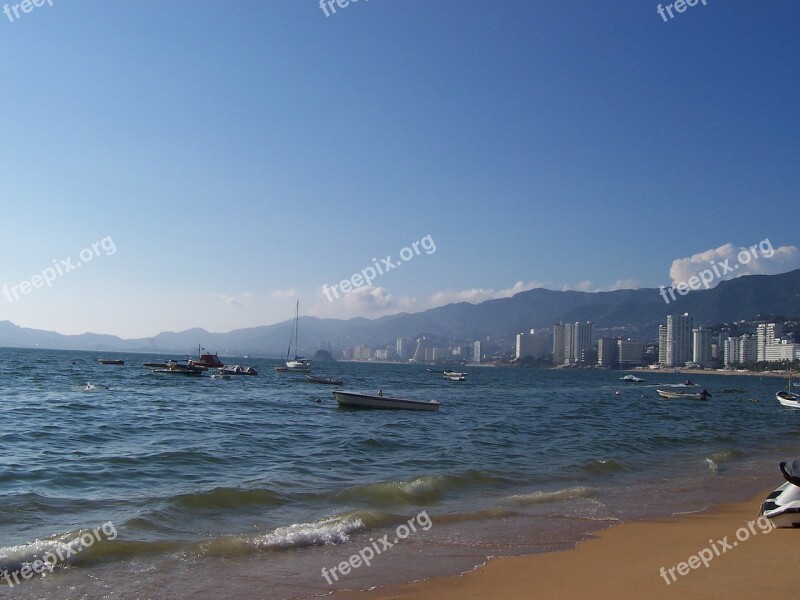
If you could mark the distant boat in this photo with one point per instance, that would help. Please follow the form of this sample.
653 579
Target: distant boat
324 380
111 361
207 360
669 395
380 402
789 398
179 368
298 363
455 377
632 379
238 370
454 374
220 376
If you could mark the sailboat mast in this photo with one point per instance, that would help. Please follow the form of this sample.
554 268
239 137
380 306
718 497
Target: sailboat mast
296 326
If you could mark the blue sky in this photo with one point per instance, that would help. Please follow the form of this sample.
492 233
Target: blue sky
241 155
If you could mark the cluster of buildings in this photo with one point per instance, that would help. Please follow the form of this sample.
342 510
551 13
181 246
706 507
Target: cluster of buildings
573 344
680 344
421 350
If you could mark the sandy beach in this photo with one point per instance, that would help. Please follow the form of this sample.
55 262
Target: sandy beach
626 561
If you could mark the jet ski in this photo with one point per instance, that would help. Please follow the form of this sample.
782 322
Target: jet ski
782 507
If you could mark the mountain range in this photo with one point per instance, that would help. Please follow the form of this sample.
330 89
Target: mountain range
634 313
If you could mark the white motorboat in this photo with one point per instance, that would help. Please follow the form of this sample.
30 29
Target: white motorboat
455 377
381 402
670 395
631 378
454 374
237 370
782 507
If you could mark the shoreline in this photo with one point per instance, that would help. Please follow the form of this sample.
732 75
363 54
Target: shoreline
626 560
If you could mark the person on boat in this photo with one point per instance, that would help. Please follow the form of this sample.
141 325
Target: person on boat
380 393
688 382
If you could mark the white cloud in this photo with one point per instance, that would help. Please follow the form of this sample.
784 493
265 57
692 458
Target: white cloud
237 301
370 302
477 295
290 294
740 261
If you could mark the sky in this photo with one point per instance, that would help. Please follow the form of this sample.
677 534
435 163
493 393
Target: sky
227 159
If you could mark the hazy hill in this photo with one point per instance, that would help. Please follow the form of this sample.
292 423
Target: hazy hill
640 311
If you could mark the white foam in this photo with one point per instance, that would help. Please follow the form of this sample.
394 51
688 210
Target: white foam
326 532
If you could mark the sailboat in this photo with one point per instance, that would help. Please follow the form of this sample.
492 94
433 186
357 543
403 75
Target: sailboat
298 363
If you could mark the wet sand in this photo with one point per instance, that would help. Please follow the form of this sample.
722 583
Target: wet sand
626 561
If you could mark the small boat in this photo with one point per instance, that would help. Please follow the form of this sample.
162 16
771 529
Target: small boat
455 377
435 371
238 370
631 378
220 376
178 368
788 397
381 402
111 361
782 506
324 380
207 360
454 374
669 395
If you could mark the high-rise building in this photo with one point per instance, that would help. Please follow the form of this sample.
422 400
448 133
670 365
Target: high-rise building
532 344
767 334
701 346
403 348
559 348
630 353
580 340
476 352
740 350
749 346
362 352
679 339
607 352
662 344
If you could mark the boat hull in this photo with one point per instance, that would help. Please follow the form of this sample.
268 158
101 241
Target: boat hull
789 399
324 380
366 401
667 395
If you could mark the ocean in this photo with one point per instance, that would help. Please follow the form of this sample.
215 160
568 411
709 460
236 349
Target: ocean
254 486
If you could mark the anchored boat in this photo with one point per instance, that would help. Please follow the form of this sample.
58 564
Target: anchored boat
670 395
381 402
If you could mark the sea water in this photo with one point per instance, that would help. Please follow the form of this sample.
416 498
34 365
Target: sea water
253 485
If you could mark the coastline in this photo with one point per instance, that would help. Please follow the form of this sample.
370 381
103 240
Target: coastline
626 560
